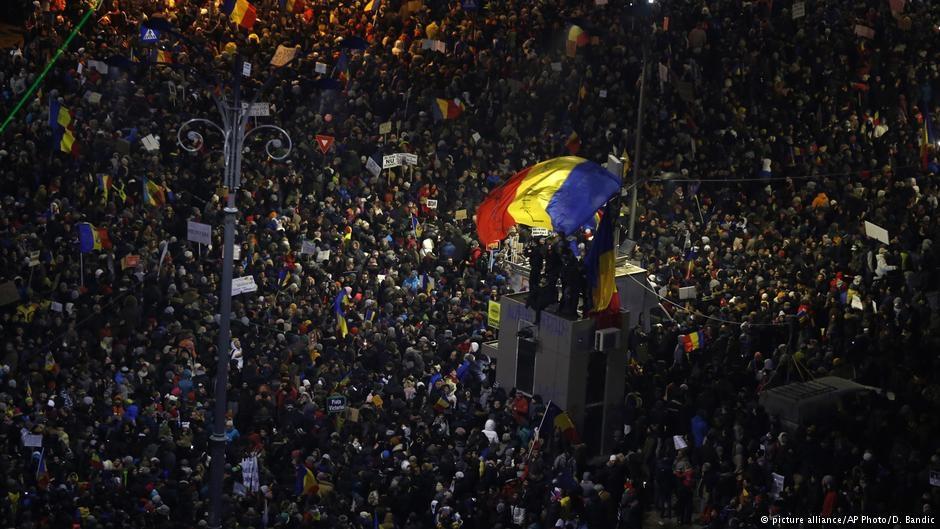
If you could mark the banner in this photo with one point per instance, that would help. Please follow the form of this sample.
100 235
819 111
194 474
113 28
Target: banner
492 314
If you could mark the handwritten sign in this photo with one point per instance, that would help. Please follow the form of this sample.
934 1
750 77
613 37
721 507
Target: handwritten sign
409 158
390 160
283 55
373 167
240 285
385 128
432 204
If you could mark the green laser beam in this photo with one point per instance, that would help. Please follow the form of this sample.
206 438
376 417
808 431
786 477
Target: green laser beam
32 89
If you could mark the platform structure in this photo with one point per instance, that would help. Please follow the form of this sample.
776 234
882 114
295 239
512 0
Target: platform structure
568 360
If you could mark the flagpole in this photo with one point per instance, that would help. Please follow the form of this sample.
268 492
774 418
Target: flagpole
538 432
81 264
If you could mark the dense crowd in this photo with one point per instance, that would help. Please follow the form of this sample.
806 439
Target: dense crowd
768 141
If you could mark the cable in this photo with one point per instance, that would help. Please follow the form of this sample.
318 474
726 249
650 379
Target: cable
45 71
697 313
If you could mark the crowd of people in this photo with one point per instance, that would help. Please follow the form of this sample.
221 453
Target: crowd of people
770 139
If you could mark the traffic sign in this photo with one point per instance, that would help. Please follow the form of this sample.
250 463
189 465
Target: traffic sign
149 35
324 142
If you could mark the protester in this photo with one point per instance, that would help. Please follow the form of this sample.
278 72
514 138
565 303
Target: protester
768 141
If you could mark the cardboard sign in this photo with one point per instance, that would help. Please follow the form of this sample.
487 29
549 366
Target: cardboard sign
243 284
324 142
492 314
198 232
864 31
373 167
385 128
151 142
799 10
336 404
283 55
432 204
460 214
877 232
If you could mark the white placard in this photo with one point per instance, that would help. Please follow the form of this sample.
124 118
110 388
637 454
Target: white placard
198 232
34 258
877 232
777 487
320 67
151 142
246 69
308 248
799 10
385 128
237 254
373 167
540 232
390 160
408 158
687 292
56 306
856 303
476 137
323 255
679 441
243 284
259 109
431 203
98 66
32 440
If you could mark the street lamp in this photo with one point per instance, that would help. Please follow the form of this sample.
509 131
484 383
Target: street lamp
235 116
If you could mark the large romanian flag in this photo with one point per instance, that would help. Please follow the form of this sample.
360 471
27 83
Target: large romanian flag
447 108
60 120
561 194
601 264
340 312
240 12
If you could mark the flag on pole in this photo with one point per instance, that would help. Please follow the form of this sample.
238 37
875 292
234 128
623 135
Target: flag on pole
60 120
293 6
91 238
104 184
153 193
444 109
240 12
416 226
573 143
162 57
372 5
576 38
601 263
340 312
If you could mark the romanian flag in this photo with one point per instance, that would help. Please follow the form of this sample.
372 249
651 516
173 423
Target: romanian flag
561 195
310 483
560 419
372 5
91 238
416 226
61 119
42 473
293 6
104 184
153 193
576 38
693 341
601 263
240 12
447 108
342 66
341 324
573 143
162 57
441 405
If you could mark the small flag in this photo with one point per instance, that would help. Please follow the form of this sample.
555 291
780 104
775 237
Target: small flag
162 57
240 12
91 238
341 324
154 194
311 485
441 405
447 108
293 6
416 226
42 473
573 143
61 121
120 191
104 184
576 38
372 5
